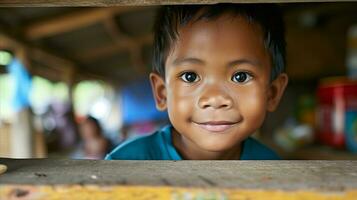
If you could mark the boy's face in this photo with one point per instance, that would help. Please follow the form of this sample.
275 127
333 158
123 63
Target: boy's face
217 85
88 130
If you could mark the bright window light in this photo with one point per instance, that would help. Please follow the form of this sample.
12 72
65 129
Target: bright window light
5 58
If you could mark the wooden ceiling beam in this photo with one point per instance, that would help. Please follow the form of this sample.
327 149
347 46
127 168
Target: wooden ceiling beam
134 46
137 60
8 42
66 68
73 21
68 71
115 33
107 50
35 3
51 60
319 9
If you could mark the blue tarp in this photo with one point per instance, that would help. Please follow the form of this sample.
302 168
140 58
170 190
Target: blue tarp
138 103
22 81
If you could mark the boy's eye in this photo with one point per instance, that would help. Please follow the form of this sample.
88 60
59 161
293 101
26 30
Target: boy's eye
189 77
241 77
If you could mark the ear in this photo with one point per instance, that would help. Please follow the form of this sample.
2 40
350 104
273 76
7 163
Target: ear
276 91
159 91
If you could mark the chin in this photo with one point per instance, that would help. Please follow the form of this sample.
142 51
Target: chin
216 147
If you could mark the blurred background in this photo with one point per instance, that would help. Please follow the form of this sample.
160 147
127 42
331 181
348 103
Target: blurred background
74 82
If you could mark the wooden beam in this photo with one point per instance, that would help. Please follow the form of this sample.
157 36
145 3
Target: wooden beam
256 180
124 44
63 69
137 60
60 65
36 53
115 33
21 138
328 176
19 49
120 39
102 51
72 21
35 3
134 46
319 9
68 71
51 60
8 42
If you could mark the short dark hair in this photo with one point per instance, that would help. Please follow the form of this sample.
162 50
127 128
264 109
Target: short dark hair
170 18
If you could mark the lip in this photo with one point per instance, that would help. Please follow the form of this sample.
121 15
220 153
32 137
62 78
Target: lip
216 126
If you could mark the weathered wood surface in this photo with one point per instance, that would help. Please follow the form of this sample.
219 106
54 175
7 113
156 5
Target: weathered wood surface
286 175
83 179
141 2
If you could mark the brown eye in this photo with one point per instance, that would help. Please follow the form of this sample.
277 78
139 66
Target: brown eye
189 77
241 77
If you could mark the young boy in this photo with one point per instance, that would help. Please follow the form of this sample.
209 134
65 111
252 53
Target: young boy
217 69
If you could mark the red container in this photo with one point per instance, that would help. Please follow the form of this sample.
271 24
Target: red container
335 97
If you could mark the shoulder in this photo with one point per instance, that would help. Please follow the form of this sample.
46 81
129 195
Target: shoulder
255 150
140 148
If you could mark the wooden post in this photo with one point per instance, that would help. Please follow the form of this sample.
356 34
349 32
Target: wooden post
21 131
22 137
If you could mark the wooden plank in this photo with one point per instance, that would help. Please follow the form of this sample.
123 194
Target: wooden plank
333 176
5 135
73 21
86 179
34 3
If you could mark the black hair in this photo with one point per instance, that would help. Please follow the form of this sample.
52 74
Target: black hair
171 18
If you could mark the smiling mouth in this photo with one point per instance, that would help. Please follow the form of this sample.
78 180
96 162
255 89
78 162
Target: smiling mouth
216 126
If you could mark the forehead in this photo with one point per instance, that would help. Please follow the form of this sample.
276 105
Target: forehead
226 37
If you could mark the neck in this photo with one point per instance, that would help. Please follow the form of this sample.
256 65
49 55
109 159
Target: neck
190 151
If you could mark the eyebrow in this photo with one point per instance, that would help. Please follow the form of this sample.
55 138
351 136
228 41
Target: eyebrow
190 60
244 61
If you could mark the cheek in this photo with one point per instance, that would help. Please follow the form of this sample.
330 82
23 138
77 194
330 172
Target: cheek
180 102
253 103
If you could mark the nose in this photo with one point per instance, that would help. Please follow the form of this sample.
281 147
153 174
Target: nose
216 98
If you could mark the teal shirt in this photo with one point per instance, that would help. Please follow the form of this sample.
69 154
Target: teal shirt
159 146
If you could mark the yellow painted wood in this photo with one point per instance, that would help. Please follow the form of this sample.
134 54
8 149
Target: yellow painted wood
54 179
79 192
